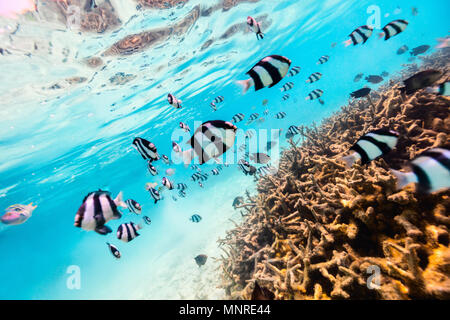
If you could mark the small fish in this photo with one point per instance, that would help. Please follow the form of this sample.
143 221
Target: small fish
419 50
152 169
323 59
266 112
237 201
182 186
201 259
402 49
182 193
359 35
155 194
374 79
384 74
133 206
165 159
255 27
195 218
430 171
420 80
238 118
128 231
314 77
361 93
174 198
146 148
219 167
200 184
286 97
114 251
253 116
294 71
17 214
246 168
176 147
334 44
147 220
199 176
215 101
287 86
262 293
215 172
260 158
266 170
185 127
314 94
97 209
393 28
372 145
265 102
266 73
321 101
443 89
174 102
167 183
213 106
358 77
195 167
280 115
249 134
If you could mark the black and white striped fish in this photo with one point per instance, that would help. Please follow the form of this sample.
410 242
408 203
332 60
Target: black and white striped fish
97 209
393 28
147 220
294 71
215 172
182 193
167 183
246 167
199 176
242 148
371 146
359 35
174 102
253 116
185 127
182 186
323 59
210 140
249 134
286 97
219 167
176 147
128 231
213 106
146 148
266 73
165 159
115 252
196 218
255 27
174 198
133 206
314 94
200 184
152 169
218 100
314 77
292 131
155 194
287 86
430 171
266 170
195 167
238 118
266 112
280 115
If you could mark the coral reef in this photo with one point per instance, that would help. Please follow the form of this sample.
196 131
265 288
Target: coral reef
317 230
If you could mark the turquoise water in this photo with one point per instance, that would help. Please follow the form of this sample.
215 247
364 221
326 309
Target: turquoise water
56 145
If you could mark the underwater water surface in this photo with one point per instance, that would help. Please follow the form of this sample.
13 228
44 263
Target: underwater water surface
67 127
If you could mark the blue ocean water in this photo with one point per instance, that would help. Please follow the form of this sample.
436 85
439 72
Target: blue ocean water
56 145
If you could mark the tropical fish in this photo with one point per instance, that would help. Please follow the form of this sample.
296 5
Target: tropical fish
133 206
420 80
321 101
97 209
238 118
182 186
262 293
358 77
314 77
393 28
371 146
152 169
314 94
17 214
384 74
255 27
237 201
323 59
215 172
280 115
264 102
128 231
402 49
115 252
199 176
359 35
361 93
176 147
266 73
430 171
266 170
294 71
253 116
287 86
201 259
419 50
216 100
249 134
292 131
182 193
286 97
246 167
155 194
146 148
210 140
374 79
200 184
174 102
196 218
185 127
167 183
147 220
165 159
260 157
266 112
443 89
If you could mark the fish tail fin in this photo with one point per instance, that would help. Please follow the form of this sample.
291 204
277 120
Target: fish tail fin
348 42
245 84
119 200
403 178
349 160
